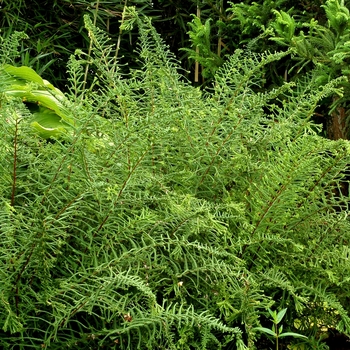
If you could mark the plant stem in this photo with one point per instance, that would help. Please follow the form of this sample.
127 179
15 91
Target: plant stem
15 146
120 30
196 67
90 46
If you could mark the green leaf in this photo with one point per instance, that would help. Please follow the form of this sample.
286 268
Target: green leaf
20 84
42 97
280 315
25 73
48 124
266 330
273 314
291 334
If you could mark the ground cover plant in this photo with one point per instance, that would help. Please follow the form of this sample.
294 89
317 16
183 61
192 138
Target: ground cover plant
161 216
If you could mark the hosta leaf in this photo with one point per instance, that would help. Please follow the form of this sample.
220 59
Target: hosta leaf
48 124
25 73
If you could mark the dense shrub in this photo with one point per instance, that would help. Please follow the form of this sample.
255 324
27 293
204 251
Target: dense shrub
166 217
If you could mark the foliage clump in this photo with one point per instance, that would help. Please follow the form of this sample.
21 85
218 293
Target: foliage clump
170 217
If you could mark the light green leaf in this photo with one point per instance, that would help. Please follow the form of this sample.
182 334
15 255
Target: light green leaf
48 124
47 132
280 315
25 73
265 330
291 334
273 314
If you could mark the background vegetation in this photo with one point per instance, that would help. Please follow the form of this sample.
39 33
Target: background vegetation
143 210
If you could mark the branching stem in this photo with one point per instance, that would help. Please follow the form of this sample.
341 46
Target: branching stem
14 171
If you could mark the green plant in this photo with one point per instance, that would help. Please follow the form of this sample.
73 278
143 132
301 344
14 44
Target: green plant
253 18
171 217
55 30
277 331
50 115
324 47
201 51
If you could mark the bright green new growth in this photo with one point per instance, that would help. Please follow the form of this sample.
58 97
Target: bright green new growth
50 115
201 51
327 49
172 217
277 331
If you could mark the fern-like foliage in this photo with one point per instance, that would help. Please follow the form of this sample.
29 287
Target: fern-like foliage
172 217
10 47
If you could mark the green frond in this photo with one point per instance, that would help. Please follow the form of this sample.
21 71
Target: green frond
9 47
171 218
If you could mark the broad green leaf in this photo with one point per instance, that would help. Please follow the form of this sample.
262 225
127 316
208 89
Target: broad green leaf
18 84
29 75
48 132
19 88
8 83
43 98
48 124
25 73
